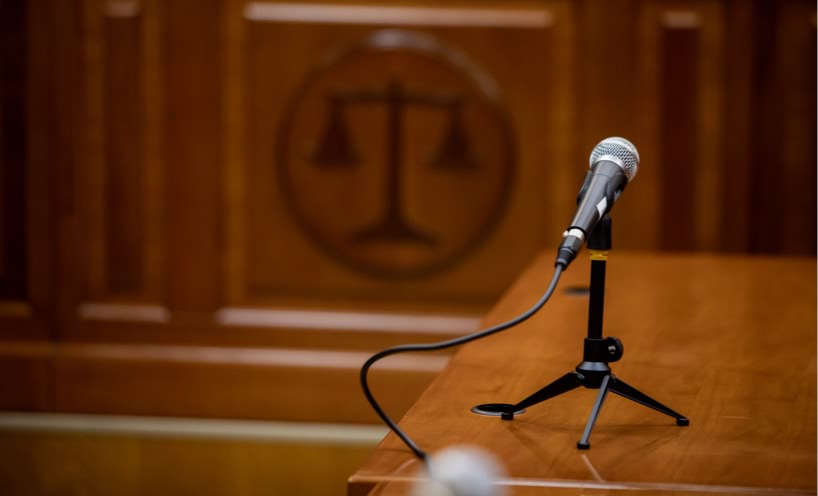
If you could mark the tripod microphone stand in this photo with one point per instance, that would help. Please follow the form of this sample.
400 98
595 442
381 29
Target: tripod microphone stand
593 372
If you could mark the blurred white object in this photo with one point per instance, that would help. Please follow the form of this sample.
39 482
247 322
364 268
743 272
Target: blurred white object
462 471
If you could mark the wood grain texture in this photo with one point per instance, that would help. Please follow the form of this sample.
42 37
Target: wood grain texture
49 464
727 341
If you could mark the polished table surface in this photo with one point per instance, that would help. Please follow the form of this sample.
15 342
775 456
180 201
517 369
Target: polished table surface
728 341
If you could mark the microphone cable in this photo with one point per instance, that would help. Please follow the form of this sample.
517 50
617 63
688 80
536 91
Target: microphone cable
559 268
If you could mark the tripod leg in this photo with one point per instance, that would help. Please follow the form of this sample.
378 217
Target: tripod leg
622 389
600 398
569 381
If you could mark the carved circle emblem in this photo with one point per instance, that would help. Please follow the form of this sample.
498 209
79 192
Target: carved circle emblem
396 156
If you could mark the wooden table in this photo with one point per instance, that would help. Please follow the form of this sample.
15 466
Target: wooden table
728 341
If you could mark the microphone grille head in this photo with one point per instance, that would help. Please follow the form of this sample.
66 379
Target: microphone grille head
462 471
622 150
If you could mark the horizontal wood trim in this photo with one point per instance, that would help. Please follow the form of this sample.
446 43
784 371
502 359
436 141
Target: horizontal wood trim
25 375
345 321
201 331
191 381
119 323
674 19
400 16
15 309
274 384
123 8
18 320
193 428
264 357
139 313
396 485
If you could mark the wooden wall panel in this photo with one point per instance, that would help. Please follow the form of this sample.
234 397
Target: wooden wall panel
145 206
275 258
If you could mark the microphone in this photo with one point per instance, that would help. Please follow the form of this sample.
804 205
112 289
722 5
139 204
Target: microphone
461 471
613 164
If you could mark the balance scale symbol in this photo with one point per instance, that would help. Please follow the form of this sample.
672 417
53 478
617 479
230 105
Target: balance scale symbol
336 150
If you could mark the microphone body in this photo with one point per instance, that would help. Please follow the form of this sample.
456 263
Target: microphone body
613 164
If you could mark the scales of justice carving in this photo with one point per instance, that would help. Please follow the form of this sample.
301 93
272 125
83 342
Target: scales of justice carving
392 173
335 149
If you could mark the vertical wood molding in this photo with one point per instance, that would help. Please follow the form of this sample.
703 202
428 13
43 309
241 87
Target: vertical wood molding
192 65
796 58
682 86
89 189
124 186
39 193
680 57
709 168
235 194
562 61
119 184
68 143
155 206
783 159
14 213
739 107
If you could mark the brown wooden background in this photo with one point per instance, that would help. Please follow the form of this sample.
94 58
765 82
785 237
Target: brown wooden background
149 263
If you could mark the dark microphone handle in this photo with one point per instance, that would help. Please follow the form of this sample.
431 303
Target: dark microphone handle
607 182
601 188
